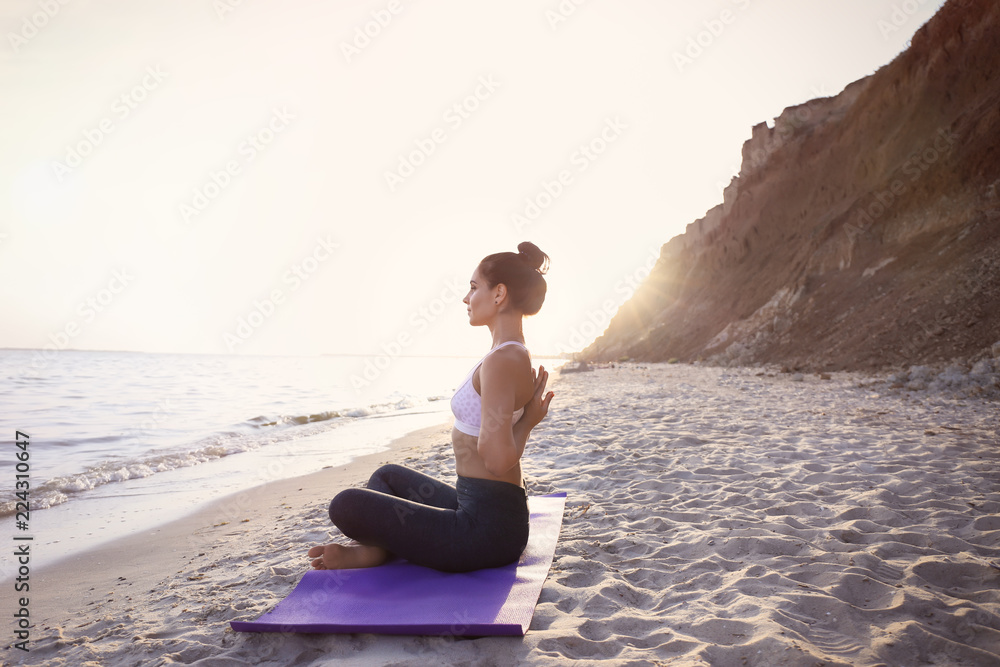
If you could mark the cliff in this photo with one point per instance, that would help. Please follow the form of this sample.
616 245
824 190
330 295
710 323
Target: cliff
863 230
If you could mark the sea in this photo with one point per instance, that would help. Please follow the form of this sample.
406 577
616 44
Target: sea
120 442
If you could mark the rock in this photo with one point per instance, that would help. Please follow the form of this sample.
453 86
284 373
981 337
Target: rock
983 367
579 367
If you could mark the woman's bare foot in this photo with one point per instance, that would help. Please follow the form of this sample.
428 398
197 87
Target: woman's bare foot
340 557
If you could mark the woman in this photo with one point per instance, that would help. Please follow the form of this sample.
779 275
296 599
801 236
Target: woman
483 520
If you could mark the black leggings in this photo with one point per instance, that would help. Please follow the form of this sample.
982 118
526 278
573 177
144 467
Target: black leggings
478 523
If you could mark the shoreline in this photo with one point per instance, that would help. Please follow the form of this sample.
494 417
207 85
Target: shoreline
117 510
233 509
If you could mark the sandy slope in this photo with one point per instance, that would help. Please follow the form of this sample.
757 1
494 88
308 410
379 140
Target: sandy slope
715 517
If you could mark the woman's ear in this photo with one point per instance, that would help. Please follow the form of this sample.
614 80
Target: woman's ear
501 292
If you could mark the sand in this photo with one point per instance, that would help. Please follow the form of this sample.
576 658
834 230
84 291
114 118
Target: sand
715 517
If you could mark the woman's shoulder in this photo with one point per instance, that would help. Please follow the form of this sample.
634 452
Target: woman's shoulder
503 371
508 356
510 350
511 345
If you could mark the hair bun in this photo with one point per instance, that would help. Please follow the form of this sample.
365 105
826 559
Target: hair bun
533 257
521 272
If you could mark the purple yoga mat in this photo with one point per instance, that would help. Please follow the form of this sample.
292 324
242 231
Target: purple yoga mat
400 598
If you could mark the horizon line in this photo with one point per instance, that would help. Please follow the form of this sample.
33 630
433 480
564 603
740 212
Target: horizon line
564 355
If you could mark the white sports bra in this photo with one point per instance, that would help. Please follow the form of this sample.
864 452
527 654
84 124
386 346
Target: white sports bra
467 404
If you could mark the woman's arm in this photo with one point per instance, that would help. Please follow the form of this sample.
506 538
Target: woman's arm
501 443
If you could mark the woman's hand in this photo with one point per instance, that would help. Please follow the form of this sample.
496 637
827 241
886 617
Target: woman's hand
538 405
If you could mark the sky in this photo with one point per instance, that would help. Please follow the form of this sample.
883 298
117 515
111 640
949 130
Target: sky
251 177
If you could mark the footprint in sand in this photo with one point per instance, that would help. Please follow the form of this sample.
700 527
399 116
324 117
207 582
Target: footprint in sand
581 579
723 631
878 568
832 642
827 640
865 592
987 523
578 648
958 579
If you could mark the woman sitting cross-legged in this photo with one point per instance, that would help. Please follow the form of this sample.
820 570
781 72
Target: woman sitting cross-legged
483 520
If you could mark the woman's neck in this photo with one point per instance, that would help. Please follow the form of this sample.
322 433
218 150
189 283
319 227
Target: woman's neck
504 329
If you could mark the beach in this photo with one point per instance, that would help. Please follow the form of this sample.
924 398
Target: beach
715 516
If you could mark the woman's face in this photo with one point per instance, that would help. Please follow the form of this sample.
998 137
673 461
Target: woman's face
480 300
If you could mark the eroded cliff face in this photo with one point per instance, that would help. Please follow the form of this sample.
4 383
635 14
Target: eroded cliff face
863 230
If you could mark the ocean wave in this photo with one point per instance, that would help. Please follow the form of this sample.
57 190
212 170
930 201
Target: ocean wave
262 421
247 437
